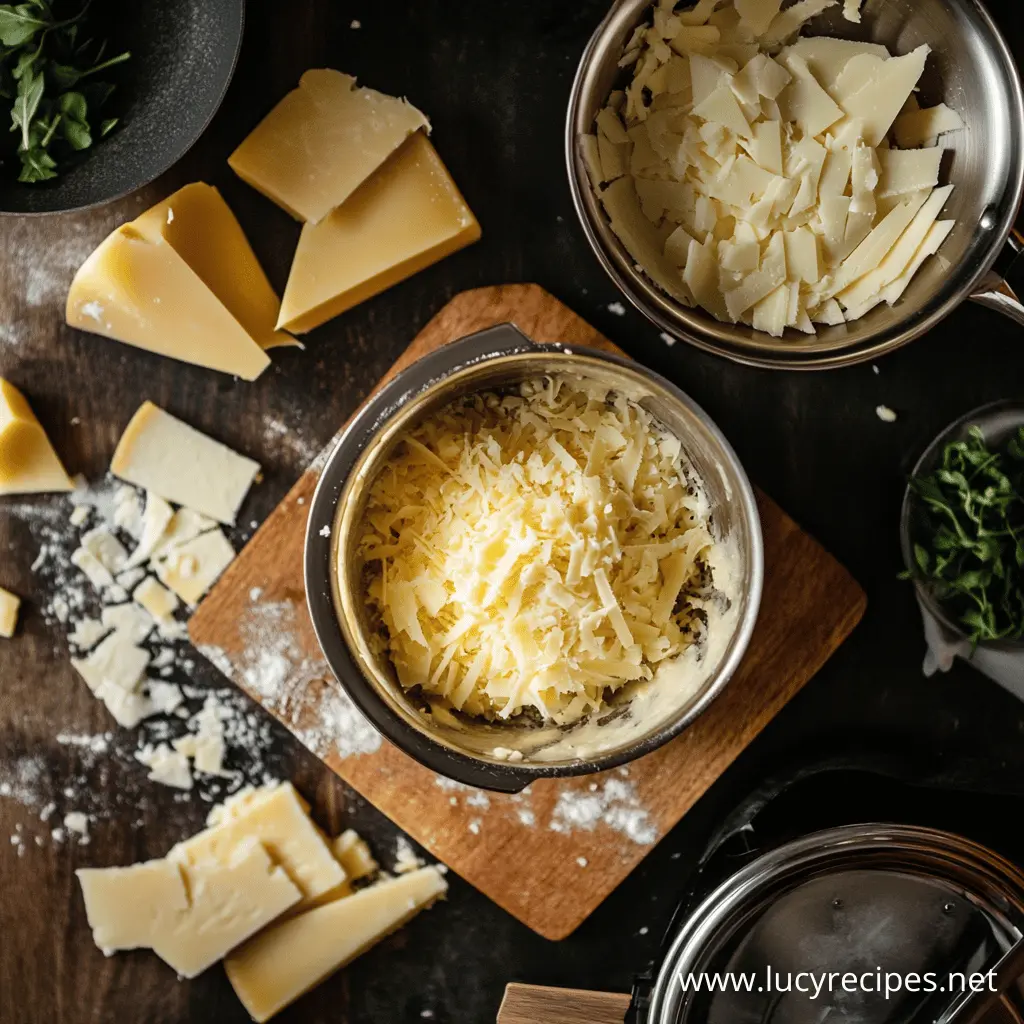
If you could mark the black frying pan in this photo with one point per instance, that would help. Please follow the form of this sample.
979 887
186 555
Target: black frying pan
183 57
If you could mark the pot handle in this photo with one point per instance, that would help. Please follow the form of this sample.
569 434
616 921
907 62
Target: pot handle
996 289
537 1004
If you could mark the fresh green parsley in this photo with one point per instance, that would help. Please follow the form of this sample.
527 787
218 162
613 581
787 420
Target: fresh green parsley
48 64
969 536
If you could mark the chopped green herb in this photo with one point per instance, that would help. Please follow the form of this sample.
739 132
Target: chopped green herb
42 67
969 536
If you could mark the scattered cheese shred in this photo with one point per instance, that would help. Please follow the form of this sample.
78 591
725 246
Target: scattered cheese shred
736 131
536 550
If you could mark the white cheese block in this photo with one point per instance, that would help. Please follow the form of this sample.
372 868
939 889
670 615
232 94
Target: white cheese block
920 127
908 170
190 569
875 90
277 818
168 457
289 959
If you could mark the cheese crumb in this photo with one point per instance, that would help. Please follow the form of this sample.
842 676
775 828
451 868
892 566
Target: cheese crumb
617 308
535 551
885 414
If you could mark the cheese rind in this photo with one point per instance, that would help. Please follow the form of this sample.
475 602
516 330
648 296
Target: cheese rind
322 141
408 215
278 820
28 462
160 453
289 959
201 228
9 605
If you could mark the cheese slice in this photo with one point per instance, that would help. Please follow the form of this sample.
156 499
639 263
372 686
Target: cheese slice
933 240
190 569
407 216
277 818
137 289
876 90
9 605
792 19
908 170
827 57
289 959
757 15
160 453
919 127
322 141
202 230
722 108
28 463
805 102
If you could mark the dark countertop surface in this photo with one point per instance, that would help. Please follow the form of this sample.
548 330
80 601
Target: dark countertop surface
494 79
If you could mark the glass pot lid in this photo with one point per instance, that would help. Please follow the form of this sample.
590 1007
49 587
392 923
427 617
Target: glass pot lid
865 924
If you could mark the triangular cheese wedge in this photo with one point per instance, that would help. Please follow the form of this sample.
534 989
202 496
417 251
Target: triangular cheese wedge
322 141
203 231
138 290
291 957
408 215
28 463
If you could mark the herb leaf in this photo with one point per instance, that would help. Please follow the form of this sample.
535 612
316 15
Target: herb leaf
18 25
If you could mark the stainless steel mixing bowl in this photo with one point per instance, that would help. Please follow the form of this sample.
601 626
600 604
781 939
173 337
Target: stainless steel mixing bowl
508 756
972 70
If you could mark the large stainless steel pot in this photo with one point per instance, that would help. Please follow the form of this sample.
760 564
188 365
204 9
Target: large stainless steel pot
972 70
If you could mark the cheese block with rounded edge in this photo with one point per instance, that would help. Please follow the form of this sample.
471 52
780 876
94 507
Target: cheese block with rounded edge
201 228
322 141
288 959
408 215
160 453
9 605
137 289
28 463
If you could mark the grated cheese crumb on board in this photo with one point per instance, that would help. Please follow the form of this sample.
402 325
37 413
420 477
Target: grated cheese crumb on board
735 136
535 551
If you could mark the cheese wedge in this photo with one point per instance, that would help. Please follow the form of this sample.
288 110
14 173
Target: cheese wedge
321 142
160 453
290 958
408 215
9 605
202 230
192 915
28 463
277 818
137 289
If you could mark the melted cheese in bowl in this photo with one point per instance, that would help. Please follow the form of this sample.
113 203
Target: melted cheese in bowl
536 552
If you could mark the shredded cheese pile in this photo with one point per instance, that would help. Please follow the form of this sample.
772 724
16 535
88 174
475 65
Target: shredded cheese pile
535 551
752 173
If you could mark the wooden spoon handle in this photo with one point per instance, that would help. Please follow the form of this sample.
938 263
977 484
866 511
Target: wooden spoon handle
535 1004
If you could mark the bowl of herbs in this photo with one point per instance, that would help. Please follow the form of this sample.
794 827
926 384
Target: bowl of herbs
99 97
963 526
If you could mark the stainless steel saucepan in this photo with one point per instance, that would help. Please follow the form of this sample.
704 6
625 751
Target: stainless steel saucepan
972 70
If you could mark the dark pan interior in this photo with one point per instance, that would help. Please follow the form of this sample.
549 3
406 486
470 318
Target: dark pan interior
183 56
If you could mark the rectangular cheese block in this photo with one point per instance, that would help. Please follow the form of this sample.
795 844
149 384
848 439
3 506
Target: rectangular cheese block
277 818
408 215
200 227
289 959
9 605
160 453
140 291
28 463
322 141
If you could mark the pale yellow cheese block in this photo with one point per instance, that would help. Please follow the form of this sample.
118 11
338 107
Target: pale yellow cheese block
140 291
278 820
9 605
408 215
193 567
322 141
189 915
290 958
160 453
28 463
202 230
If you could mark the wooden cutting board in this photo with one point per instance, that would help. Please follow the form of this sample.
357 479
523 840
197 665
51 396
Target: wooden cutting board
255 628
